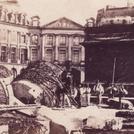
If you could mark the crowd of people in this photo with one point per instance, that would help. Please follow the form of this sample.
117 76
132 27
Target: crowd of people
69 94
82 94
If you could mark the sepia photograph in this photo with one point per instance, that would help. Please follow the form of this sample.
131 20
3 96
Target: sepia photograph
66 66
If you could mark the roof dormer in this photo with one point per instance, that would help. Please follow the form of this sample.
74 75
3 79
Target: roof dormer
35 21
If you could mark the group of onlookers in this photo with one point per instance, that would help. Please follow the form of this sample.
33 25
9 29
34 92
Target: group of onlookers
83 93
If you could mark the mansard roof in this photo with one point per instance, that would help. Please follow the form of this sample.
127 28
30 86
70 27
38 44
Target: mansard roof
117 11
63 23
123 11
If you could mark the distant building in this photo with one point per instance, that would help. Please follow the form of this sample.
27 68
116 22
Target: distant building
61 43
115 15
109 51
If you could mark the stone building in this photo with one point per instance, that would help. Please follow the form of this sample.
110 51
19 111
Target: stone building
109 55
61 44
14 37
23 40
116 15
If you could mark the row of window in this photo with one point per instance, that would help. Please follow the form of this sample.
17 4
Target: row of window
118 21
22 38
22 54
14 36
34 54
5 52
17 37
63 40
62 55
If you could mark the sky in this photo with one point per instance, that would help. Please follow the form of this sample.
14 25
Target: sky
76 10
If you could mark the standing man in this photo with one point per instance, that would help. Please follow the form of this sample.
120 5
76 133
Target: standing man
58 96
112 91
77 96
121 92
99 90
88 93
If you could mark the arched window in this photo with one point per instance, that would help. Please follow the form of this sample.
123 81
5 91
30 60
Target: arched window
49 40
19 18
13 54
76 56
62 55
9 16
23 19
63 40
3 53
76 40
35 21
118 20
23 38
111 21
35 39
90 22
124 21
23 56
49 55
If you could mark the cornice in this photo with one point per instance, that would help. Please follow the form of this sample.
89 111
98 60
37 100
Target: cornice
38 27
53 28
13 24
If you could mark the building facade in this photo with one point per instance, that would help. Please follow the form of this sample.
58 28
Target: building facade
23 40
61 44
14 38
116 15
109 55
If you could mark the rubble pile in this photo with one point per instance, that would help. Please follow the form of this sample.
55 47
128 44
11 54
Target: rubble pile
4 72
128 118
47 76
43 74
18 123
15 116
3 97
